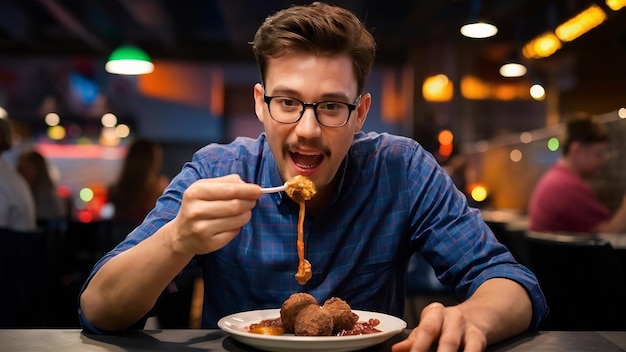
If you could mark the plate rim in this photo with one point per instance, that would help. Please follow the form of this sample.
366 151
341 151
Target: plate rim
287 341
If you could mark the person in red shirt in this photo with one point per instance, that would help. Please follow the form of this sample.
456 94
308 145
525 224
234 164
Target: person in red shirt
563 200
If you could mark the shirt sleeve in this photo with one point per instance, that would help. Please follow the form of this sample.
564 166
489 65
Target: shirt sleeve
455 240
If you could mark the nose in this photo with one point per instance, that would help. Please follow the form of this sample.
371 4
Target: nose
308 127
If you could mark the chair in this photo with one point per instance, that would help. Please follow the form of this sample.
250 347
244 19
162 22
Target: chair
581 279
511 234
24 275
423 288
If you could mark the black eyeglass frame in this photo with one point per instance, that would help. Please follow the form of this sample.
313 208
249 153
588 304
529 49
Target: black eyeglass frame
351 108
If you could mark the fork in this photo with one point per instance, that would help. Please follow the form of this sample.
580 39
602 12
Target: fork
274 189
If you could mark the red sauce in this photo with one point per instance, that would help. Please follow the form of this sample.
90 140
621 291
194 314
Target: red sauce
362 328
274 327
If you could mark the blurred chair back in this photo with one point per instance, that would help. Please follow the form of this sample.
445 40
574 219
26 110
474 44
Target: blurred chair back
24 278
423 288
581 279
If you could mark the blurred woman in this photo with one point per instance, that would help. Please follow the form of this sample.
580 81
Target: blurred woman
140 182
49 206
17 211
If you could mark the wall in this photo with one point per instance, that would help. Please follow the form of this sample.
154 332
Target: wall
510 183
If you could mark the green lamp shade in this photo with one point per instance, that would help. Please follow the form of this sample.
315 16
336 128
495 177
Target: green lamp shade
129 60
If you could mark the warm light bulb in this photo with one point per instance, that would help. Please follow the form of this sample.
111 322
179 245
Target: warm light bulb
615 4
537 92
479 30
512 70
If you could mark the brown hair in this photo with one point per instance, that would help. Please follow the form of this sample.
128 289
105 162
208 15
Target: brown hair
318 28
39 164
583 129
139 176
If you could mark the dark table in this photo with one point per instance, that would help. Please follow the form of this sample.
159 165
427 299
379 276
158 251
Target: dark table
71 340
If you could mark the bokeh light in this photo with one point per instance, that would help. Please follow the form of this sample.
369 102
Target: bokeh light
52 119
526 137
56 133
515 155
108 120
86 194
553 144
479 192
537 92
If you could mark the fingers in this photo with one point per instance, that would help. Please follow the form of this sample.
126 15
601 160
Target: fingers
223 188
212 212
429 328
445 329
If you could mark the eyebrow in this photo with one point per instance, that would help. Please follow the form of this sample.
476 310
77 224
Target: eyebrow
284 91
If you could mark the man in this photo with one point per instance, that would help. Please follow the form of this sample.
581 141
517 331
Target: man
563 200
379 198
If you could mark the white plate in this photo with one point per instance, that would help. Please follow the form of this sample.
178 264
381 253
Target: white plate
235 325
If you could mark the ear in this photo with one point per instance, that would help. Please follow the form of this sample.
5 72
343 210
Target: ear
361 110
574 147
259 104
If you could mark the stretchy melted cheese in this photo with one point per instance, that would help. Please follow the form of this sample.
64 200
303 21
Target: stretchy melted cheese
301 189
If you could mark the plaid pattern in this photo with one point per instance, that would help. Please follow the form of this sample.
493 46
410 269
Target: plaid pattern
393 199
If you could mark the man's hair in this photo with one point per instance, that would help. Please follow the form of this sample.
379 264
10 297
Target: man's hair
318 28
583 129
6 141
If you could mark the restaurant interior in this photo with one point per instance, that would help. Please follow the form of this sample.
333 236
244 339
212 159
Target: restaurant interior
497 132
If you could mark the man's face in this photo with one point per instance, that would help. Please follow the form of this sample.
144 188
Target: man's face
306 147
591 157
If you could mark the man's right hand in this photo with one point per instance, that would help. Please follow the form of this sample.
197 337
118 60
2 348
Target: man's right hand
211 213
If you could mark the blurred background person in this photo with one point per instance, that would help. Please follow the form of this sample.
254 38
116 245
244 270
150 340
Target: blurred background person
139 183
563 200
17 208
49 206
133 195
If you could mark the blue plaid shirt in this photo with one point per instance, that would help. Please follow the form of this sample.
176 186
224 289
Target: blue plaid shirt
393 199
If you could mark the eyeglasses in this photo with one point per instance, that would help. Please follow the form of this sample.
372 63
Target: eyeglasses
328 113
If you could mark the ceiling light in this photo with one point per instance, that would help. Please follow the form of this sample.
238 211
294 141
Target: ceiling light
129 60
615 4
580 24
512 69
479 30
542 46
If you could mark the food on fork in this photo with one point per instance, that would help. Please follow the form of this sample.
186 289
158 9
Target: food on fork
300 188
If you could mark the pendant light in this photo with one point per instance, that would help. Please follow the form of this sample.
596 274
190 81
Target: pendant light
477 28
129 60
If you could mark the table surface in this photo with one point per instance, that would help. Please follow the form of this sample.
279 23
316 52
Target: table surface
69 340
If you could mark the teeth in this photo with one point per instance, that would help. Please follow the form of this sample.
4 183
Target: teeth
307 154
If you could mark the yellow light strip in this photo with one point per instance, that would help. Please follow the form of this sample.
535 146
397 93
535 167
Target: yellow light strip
615 4
580 24
542 46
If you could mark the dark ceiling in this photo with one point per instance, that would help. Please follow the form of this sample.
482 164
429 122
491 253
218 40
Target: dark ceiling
216 30
221 29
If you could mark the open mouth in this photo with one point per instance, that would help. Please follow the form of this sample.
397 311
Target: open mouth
306 160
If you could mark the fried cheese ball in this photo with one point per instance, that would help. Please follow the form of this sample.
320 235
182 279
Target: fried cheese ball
292 306
343 317
300 188
312 320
